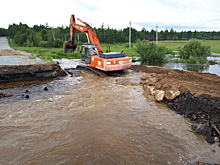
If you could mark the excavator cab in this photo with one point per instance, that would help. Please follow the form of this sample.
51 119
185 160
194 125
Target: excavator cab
87 51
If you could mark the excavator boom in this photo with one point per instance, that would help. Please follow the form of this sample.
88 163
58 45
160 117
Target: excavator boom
91 53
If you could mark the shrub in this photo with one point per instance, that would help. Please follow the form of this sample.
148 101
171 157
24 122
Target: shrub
150 52
193 49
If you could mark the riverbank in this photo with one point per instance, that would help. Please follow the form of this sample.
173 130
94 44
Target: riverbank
195 96
18 66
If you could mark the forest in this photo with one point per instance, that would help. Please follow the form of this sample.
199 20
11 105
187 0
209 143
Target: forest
45 36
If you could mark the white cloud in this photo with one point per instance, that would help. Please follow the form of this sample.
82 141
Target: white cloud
117 14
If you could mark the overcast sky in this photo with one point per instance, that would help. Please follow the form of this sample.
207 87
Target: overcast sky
177 14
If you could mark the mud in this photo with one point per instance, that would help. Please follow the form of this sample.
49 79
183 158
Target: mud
203 111
30 72
198 99
198 83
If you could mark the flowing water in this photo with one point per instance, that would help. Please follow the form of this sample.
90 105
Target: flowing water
93 120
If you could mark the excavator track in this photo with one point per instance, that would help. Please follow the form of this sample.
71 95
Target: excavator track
93 70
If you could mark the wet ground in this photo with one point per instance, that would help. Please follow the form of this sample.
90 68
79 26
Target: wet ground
19 60
93 120
21 66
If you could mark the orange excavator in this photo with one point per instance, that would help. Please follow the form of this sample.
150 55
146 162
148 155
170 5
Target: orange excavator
91 52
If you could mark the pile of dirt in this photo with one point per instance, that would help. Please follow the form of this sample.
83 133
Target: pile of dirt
198 98
9 52
196 83
203 111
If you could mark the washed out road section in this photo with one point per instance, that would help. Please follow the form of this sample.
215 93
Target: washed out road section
18 66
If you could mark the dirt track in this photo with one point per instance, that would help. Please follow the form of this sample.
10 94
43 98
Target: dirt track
9 52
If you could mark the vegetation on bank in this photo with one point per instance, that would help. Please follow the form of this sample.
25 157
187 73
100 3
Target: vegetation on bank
194 52
45 53
115 47
151 52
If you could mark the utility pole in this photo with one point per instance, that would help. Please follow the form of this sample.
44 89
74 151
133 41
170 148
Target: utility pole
130 36
53 34
156 35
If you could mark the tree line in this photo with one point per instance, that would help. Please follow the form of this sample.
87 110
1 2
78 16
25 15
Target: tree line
45 36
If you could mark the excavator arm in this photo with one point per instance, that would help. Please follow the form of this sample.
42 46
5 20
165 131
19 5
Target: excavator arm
86 29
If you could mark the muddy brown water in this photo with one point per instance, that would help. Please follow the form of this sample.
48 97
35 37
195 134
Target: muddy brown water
92 120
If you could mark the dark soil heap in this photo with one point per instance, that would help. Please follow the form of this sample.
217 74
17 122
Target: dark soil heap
199 101
203 110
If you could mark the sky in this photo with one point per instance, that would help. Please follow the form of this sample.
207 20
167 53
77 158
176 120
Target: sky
181 15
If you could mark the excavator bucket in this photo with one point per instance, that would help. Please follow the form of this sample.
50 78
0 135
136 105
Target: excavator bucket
68 47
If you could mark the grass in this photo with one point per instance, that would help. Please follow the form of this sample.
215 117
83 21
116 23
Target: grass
116 47
173 45
46 54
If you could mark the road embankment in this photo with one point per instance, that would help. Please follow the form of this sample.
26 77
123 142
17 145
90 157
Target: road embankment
30 72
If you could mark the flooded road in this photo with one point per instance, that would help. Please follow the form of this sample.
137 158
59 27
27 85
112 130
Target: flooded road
93 120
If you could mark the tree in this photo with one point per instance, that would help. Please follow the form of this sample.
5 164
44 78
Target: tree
150 52
3 32
194 52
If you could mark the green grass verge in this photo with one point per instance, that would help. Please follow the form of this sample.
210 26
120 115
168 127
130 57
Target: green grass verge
57 53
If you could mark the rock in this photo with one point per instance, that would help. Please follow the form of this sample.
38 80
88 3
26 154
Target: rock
171 94
216 139
201 129
159 95
143 82
165 85
194 126
7 95
145 77
158 85
210 139
134 84
152 81
150 90
27 91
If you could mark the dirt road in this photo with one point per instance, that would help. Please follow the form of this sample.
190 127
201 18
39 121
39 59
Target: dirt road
17 66
4 43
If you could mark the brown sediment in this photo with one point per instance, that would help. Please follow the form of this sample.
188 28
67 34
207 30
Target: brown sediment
9 52
198 83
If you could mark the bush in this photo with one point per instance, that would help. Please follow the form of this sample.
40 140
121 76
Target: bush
194 52
150 52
